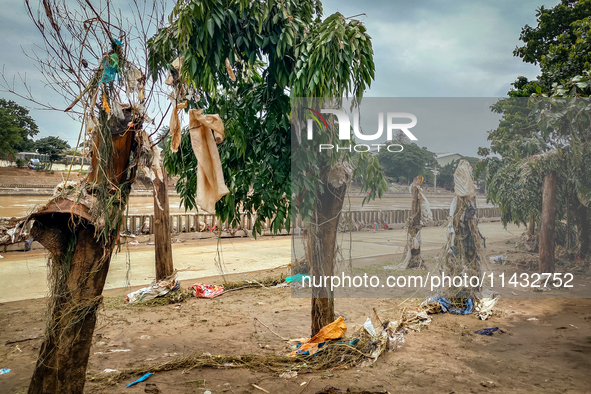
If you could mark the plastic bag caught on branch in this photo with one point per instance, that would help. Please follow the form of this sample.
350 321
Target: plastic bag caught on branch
210 177
463 181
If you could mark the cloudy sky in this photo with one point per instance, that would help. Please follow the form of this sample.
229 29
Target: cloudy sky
427 48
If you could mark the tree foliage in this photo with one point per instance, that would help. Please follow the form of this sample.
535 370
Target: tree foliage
559 43
279 50
27 128
10 135
406 165
545 124
54 147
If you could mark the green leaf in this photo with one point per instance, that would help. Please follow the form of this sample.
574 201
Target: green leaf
211 27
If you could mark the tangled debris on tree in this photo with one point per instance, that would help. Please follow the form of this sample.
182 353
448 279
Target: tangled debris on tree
420 214
463 253
79 226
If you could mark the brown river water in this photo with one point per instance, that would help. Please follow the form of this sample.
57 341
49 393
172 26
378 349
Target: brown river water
17 206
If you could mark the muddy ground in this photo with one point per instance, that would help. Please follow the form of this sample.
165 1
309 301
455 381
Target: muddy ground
546 347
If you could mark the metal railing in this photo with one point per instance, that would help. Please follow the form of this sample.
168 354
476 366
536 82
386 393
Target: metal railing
201 222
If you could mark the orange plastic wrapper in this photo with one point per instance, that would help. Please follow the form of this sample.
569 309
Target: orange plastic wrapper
334 330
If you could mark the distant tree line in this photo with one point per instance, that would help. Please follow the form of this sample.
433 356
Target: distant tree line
403 168
17 129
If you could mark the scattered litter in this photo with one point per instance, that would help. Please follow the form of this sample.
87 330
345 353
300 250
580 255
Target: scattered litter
202 290
489 331
296 278
4 371
514 293
1 257
156 289
574 326
145 337
368 326
449 306
127 235
325 351
146 376
334 330
532 319
207 392
260 388
488 383
289 374
498 259
109 370
483 307
134 243
114 351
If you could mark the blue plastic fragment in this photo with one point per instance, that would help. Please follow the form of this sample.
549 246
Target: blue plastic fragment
4 370
351 342
296 278
488 331
146 376
447 306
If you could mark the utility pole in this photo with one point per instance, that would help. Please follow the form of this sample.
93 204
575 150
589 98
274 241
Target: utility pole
435 181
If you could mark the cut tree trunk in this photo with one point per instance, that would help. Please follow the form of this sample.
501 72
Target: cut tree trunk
162 242
414 226
79 269
80 251
548 223
321 252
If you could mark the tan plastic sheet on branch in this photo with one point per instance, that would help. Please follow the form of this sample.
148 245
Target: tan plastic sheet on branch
463 181
210 178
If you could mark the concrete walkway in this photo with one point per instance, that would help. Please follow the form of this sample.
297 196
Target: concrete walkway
23 275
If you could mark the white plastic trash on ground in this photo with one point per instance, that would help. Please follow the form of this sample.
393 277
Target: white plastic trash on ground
483 306
156 289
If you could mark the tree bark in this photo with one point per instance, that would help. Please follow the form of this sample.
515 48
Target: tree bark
79 268
547 224
531 228
321 252
584 228
414 227
162 241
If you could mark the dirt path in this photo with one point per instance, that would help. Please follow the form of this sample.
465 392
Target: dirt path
550 355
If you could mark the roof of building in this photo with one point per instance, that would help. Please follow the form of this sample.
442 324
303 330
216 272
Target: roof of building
447 154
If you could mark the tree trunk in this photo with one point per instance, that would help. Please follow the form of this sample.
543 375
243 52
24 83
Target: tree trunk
78 269
321 252
584 231
531 228
547 224
414 226
162 242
